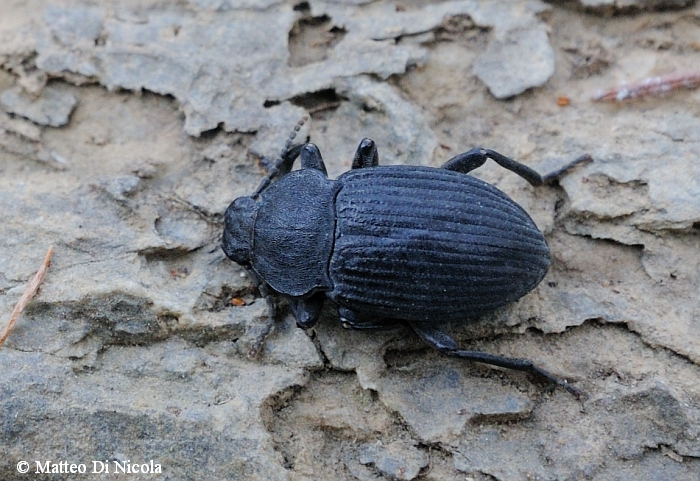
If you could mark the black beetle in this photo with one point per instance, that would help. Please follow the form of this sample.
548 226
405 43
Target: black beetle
391 244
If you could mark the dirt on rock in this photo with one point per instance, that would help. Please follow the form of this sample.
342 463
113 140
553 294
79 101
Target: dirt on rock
126 128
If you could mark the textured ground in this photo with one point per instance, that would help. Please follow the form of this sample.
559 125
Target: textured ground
124 134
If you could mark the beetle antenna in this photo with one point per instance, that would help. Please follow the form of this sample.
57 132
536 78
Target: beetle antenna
284 162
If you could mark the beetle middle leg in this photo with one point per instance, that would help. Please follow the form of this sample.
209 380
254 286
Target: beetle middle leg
442 341
468 161
351 319
307 310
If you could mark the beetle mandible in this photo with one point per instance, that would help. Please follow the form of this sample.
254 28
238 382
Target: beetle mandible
391 245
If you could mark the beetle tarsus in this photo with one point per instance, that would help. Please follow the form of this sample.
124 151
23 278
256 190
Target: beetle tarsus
516 364
442 341
559 173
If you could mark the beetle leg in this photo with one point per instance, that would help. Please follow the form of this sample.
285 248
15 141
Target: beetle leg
311 158
366 155
352 320
468 161
307 310
559 173
284 167
442 341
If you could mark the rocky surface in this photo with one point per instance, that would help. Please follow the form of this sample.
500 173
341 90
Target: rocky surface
124 134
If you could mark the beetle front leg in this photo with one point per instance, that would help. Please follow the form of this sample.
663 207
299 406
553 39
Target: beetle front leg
366 155
311 158
442 341
468 161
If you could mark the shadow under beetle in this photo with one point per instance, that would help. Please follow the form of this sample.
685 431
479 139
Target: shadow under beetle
391 244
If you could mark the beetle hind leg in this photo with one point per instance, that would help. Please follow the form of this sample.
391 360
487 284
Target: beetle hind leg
559 173
468 161
442 341
475 158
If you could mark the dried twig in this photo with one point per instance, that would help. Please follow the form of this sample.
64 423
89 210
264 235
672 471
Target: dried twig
26 297
649 86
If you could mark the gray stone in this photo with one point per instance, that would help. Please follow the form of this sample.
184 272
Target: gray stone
234 55
121 187
629 423
609 6
231 54
79 29
52 107
520 56
398 460
438 401
152 414
517 60
290 346
20 126
644 418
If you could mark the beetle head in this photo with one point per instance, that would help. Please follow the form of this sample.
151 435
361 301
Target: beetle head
237 242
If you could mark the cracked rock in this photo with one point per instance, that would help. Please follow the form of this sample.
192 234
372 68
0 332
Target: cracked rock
611 6
52 107
516 61
179 401
121 187
135 347
628 425
648 417
438 401
397 460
